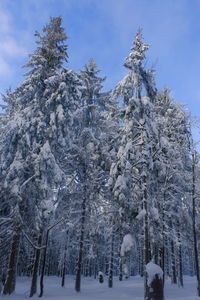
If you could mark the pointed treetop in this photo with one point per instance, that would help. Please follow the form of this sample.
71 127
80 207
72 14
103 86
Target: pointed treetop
137 55
52 50
91 67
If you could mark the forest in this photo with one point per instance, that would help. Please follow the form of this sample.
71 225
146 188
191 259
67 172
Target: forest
95 183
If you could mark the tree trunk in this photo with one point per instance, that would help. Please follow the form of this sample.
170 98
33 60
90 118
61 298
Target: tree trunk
196 258
162 262
146 248
64 269
173 278
10 282
110 275
141 259
121 269
81 243
180 264
167 258
43 266
33 289
156 289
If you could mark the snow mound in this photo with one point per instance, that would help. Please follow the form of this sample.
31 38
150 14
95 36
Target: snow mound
153 269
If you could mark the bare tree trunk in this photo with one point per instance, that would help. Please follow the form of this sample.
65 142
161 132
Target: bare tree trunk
167 258
173 279
64 269
81 243
120 260
10 282
121 269
196 258
180 263
43 265
33 289
146 247
162 265
110 275
45 257
141 259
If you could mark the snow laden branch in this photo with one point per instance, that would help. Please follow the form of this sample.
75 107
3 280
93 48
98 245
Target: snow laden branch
48 229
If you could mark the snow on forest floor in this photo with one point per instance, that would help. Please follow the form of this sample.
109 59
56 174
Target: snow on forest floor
130 289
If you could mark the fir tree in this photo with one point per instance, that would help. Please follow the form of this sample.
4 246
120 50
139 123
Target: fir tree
38 133
51 51
90 151
131 172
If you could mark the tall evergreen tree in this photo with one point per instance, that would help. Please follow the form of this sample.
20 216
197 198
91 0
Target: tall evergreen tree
91 151
172 167
50 53
38 133
131 171
194 213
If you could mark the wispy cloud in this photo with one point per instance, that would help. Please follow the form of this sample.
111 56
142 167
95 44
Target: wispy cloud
5 21
5 70
11 48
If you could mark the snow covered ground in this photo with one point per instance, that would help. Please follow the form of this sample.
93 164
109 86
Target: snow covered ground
130 289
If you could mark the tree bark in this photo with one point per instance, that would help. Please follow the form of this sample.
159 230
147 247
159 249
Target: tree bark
81 243
43 265
180 263
10 282
146 247
162 262
33 289
45 257
120 269
196 258
173 278
64 269
110 275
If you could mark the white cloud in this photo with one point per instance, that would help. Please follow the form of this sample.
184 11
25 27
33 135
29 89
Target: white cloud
6 70
5 21
11 48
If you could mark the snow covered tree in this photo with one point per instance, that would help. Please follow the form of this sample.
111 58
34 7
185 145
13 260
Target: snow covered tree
130 173
83 180
33 149
172 168
91 151
194 213
50 53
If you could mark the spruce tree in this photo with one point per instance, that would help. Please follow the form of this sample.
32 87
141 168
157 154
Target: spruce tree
130 174
172 169
51 51
38 133
91 152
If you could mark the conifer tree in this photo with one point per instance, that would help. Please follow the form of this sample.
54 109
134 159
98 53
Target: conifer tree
38 133
51 51
68 152
172 169
130 173
194 213
91 151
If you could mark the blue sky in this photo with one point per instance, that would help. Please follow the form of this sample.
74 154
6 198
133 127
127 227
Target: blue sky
104 30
